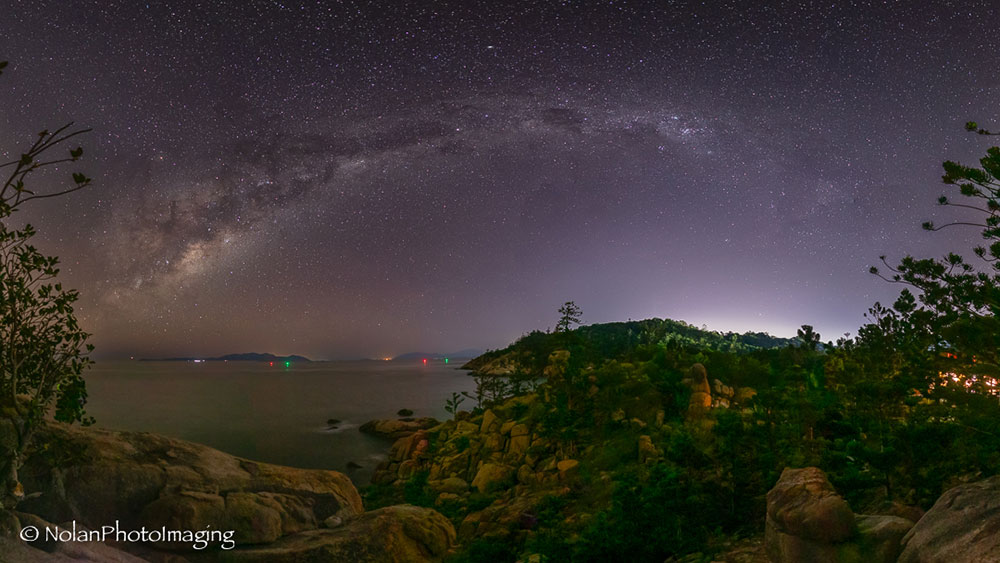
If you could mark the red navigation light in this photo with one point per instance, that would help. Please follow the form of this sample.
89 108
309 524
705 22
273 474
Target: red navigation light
425 360
270 364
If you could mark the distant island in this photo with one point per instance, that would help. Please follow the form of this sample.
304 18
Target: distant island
467 353
249 357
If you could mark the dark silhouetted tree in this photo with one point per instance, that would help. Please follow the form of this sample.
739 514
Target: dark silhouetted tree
570 315
958 300
810 339
43 351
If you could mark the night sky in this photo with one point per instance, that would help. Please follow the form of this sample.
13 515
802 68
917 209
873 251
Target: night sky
360 179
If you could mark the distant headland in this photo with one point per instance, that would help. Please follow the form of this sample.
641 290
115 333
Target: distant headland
249 357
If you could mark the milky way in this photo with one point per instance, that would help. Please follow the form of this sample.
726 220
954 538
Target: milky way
364 179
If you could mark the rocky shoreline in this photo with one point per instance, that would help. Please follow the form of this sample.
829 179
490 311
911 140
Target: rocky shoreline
88 479
395 428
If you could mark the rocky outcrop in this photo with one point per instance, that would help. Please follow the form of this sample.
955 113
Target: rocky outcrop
808 521
506 519
648 452
397 428
143 480
492 476
485 451
803 503
395 533
701 392
494 455
490 470
879 537
963 526
707 395
133 476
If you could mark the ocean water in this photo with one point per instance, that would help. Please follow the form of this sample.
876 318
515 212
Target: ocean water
273 414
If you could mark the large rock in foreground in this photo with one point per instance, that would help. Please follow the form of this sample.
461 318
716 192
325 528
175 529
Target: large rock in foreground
963 526
96 478
803 503
808 521
392 534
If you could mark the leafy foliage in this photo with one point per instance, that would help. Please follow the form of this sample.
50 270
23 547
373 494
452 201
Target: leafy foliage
486 549
958 301
870 411
43 350
416 492
626 341
451 405
570 315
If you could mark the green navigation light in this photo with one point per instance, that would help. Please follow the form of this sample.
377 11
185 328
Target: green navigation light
446 360
288 364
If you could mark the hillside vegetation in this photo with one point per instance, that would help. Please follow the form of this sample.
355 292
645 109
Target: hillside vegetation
645 440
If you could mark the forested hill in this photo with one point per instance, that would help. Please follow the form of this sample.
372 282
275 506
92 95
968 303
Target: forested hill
621 340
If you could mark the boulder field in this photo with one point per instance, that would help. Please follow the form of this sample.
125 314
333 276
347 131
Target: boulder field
497 455
95 478
808 521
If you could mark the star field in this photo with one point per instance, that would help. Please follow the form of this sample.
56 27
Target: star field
362 179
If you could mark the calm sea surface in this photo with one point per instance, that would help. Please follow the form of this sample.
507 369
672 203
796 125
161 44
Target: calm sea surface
273 414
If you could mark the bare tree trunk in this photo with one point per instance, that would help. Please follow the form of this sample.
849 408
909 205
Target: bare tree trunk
15 435
12 492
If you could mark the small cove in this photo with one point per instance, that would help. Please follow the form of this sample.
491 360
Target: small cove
269 413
